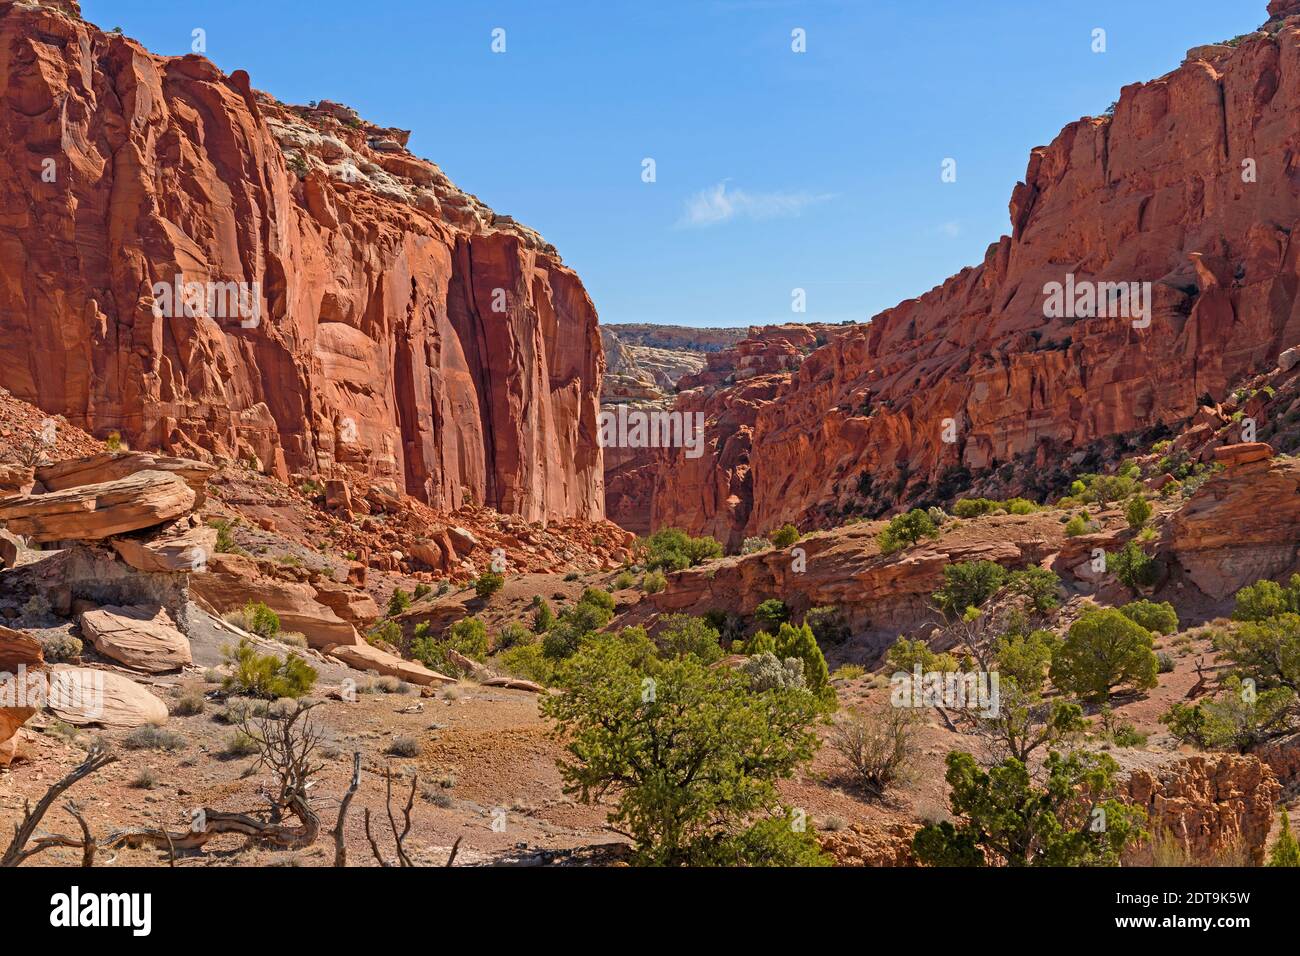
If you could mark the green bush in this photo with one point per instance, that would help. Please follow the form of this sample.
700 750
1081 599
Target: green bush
512 634
1286 851
799 642
530 662
683 634
1157 618
543 618
905 655
754 545
1076 526
421 590
1040 586
387 632
267 675
968 584
906 530
652 582
1103 650
784 536
398 602
262 621
592 613
1137 512
772 613
1265 599
1133 566
1236 719
1266 651
488 583
975 507
598 598
467 636
1005 817
624 580
706 799
672 549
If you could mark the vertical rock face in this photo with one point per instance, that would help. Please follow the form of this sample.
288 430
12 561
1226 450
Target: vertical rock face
1193 185
389 321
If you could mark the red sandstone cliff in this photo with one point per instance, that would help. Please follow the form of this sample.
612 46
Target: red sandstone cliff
402 326
1192 185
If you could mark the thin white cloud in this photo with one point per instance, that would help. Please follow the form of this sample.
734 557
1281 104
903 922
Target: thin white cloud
951 229
718 204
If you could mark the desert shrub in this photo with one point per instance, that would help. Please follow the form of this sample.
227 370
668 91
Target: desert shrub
225 540
421 590
60 648
672 549
784 536
1164 662
1103 650
512 634
262 621
543 618
403 747
766 672
968 584
754 545
398 602
1265 599
624 580
828 625
761 643
488 583
1156 618
1005 817
152 737
592 613
598 598
905 655
772 613
652 582
848 672
387 633
190 703
799 642
683 634
267 675
975 507
706 799
1133 566
1025 658
530 662
1286 851
1267 651
879 747
240 744
1238 718
145 779
467 636
1040 586
1076 526
906 530
1021 506
1137 512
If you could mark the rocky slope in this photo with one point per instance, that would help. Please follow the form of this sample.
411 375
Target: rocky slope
389 321
1190 185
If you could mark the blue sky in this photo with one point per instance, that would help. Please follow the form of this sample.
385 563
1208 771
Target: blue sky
774 170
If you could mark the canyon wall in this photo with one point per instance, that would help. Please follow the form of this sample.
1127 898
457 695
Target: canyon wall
395 324
1192 185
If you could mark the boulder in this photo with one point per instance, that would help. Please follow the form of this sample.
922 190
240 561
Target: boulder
84 695
92 512
356 607
232 581
10 548
181 547
463 540
19 653
514 683
365 657
338 494
142 637
1243 453
16 480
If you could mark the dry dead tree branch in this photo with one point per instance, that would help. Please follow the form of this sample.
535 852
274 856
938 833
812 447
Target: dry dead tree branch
19 850
340 851
399 838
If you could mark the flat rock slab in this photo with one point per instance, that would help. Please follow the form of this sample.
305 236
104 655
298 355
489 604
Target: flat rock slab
365 657
112 465
84 695
93 512
173 549
17 649
142 637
